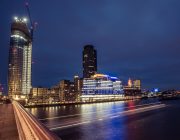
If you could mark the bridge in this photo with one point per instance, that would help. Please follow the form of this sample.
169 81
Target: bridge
16 123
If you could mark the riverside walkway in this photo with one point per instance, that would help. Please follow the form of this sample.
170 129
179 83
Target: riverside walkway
16 123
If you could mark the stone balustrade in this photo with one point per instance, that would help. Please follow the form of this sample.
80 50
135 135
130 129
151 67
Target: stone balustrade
29 128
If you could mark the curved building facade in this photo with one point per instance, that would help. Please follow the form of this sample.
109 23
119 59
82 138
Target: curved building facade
20 59
101 87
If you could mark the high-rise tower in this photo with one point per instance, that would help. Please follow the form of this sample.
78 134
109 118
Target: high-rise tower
89 61
20 57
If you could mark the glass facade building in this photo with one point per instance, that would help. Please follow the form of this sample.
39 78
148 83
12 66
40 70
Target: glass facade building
20 59
100 84
89 61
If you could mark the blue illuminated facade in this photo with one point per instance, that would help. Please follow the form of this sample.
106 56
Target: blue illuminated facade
101 84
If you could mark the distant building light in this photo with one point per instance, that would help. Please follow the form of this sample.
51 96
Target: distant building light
156 90
25 19
18 36
115 78
76 76
16 18
99 75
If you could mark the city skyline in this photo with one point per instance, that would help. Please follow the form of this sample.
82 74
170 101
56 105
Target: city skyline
152 59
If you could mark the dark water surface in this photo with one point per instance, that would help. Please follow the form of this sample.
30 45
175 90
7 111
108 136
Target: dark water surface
132 120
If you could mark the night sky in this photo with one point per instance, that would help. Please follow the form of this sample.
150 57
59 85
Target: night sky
134 38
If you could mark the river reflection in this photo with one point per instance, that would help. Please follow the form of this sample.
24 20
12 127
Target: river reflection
101 121
85 118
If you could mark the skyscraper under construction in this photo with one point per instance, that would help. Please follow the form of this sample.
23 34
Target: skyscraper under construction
20 57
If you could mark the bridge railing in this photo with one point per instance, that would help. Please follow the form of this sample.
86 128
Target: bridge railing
29 128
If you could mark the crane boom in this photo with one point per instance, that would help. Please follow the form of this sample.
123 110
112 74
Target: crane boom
31 22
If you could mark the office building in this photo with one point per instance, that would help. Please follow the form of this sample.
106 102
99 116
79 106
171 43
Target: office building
67 93
137 84
20 58
101 87
133 88
38 95
89 61
78 82
42 95
39 91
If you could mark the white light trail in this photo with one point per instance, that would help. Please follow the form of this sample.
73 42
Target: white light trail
112 116
66 116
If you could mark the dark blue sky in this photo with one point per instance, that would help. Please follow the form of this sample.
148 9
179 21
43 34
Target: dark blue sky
133 38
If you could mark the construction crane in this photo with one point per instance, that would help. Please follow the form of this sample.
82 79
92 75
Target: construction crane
32 24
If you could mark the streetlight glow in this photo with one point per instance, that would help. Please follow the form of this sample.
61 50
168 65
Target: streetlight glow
15 18
25 19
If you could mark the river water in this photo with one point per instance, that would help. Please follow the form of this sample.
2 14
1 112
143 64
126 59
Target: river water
131 120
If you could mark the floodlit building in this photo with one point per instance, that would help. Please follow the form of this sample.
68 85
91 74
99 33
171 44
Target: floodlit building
39 91
78 87
101 86
67 93
130 83
20 59
38 95
133 88
89 61
42 95
137 84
